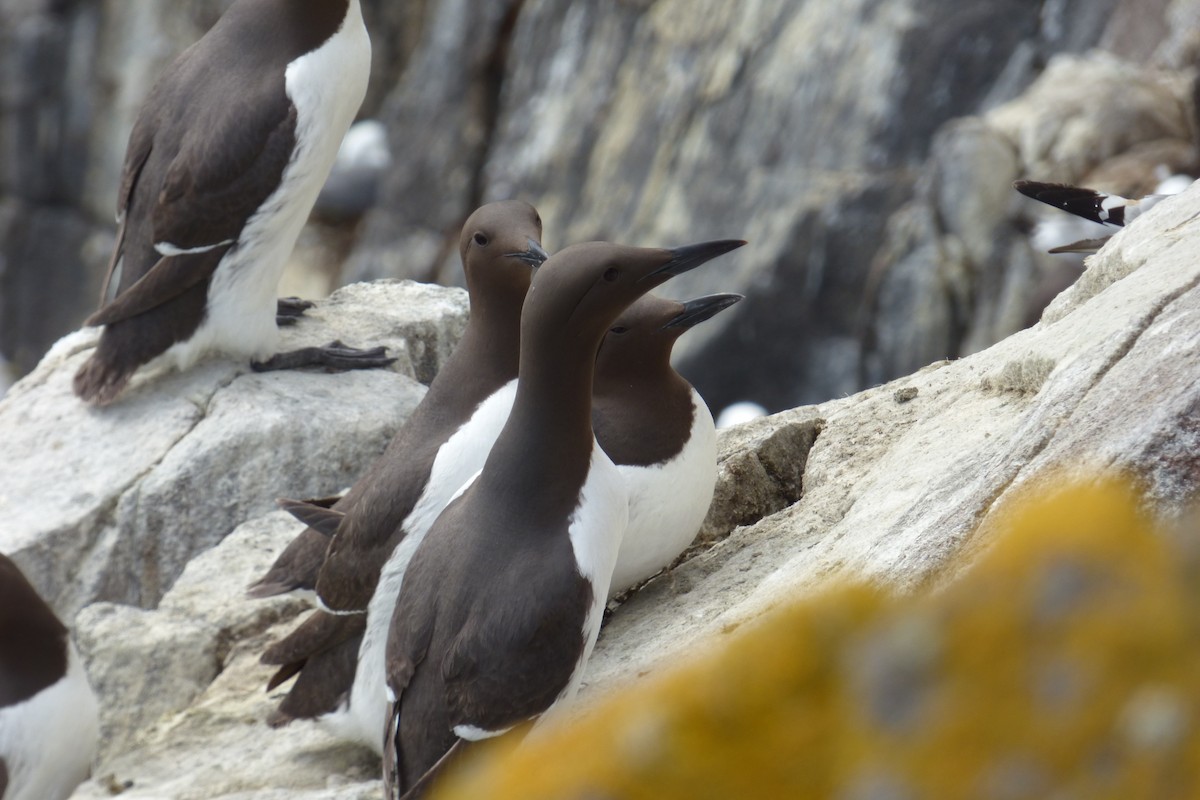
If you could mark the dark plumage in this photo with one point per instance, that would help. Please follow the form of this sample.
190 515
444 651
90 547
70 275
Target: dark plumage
499 244
502 601
214 186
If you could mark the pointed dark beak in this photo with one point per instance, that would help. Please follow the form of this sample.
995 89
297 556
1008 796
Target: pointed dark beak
534 255
691 256
701 309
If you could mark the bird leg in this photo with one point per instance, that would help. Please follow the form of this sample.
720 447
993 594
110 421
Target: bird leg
335 356
288 310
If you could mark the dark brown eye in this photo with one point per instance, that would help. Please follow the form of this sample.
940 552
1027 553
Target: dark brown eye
481 240
619 329
611 274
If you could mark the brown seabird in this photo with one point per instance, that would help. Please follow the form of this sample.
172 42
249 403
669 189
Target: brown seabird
658 430
435 451
502 600
225 161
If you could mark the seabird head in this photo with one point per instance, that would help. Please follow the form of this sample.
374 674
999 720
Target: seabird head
646 331
501 233
499 243
588 285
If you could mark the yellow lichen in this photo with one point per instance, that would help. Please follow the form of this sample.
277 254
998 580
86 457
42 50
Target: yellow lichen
1064 664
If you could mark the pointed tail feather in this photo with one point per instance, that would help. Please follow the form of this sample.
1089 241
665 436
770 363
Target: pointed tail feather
98 382
317 514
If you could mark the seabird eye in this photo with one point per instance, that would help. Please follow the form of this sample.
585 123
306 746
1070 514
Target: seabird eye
619 329
481 240
611 274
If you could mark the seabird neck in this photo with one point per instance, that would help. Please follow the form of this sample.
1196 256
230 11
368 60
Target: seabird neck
493 329
545 449
485 359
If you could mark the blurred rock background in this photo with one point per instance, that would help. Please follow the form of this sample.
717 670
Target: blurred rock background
866 148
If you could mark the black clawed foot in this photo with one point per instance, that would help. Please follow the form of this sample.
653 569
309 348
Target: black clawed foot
335 357
289 309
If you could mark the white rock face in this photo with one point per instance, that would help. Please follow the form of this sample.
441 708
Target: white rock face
904 477
182 685
112 503
895 484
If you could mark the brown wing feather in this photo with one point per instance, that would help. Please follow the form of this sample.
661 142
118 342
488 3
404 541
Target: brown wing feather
315 514
168 279
321 631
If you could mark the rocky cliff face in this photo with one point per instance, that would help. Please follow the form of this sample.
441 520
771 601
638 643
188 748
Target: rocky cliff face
898 486
868 158
824 133
799 126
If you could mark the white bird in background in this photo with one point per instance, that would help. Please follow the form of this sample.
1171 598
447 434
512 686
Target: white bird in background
739 412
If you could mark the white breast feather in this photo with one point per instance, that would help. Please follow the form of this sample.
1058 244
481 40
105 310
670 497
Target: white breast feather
596 531
457 463
667 504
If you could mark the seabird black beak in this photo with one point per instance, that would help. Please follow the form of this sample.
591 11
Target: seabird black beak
534 255
701 309
691 256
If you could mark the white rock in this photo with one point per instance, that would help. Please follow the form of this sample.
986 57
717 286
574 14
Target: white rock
905 482
900 484
198 654
111 503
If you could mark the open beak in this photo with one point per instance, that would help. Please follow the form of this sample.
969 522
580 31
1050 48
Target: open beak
691 256
534 255
701 309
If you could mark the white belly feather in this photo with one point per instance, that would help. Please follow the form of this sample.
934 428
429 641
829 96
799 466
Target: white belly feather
458 461
596 531
667 503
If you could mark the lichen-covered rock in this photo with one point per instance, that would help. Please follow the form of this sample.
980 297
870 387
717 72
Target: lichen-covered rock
1063 664
111 503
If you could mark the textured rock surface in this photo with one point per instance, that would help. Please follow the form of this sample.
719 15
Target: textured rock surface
1061 665
958 270
798 126
646 122
199 651
111 503
903 477
898 486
